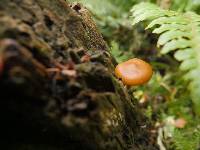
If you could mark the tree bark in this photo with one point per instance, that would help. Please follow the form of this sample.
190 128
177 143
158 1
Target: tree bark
57 85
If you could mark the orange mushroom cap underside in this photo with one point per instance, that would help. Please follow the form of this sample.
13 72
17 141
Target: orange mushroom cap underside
134 72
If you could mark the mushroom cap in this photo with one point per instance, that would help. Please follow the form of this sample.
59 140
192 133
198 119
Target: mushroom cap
180 123
134 72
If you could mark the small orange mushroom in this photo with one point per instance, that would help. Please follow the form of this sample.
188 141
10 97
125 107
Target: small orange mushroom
134 72
180 123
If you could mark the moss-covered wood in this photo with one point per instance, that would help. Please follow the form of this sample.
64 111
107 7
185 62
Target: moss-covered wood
58 91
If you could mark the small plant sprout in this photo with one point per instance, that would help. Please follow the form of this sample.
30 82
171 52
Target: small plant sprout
134 72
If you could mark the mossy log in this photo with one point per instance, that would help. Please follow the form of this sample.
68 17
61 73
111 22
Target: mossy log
58 91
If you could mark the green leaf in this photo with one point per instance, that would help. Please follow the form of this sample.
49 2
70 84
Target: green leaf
188 64
167 20
169 27
171 35
175 44
145 16
184 54
179 32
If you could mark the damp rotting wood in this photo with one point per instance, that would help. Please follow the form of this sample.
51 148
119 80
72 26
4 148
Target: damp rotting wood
57 82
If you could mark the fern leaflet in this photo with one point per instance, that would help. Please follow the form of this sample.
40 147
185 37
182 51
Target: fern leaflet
179 32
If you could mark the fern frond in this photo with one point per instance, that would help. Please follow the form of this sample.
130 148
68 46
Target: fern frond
179 32
146 11
188 140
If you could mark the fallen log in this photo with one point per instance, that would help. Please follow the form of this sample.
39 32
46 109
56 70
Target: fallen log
58 90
